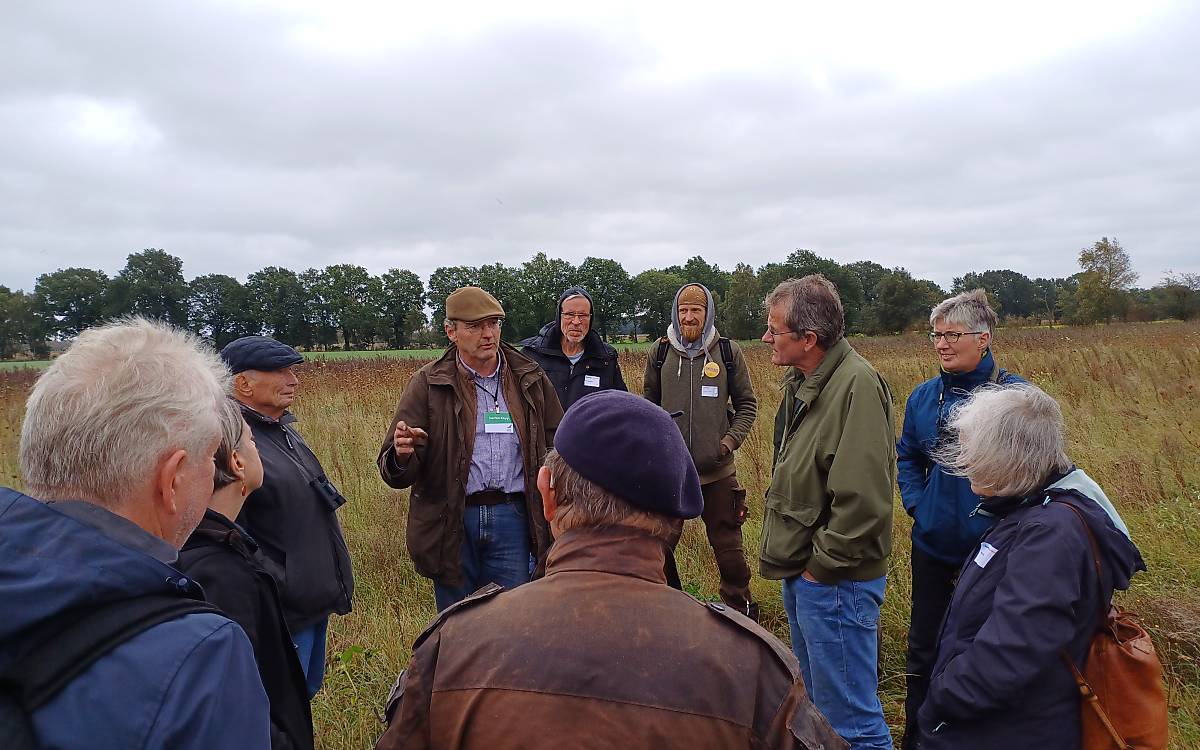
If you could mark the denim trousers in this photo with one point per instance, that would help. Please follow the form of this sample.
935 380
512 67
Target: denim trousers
495 549
310 648
835 637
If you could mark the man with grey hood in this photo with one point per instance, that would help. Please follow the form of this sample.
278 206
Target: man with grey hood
696 373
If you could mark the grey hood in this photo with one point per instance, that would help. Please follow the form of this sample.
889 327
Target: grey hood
700 346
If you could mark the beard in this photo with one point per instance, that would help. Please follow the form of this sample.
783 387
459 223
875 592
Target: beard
691 332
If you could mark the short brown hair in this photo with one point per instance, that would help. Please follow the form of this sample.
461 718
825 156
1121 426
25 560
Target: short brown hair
812 304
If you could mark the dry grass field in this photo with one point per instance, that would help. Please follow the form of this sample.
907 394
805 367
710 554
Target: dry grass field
1129 393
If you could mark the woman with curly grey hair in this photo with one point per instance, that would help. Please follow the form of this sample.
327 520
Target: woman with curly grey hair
1029 592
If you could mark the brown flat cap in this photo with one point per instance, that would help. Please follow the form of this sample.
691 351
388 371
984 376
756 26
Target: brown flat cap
470 303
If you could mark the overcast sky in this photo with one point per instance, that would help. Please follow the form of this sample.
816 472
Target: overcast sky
944 137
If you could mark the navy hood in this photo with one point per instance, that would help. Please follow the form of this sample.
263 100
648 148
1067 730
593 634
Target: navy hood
50 563
549 339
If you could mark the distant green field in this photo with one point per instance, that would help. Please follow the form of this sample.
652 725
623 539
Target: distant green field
623 346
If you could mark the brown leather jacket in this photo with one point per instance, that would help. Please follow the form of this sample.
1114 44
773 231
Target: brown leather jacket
440 398
601 654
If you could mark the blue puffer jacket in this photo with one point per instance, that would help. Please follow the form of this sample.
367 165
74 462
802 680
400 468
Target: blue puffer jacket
940 504
188 683
1029 593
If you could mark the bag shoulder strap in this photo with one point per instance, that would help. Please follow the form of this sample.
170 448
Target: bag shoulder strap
661 355
74 640
727 356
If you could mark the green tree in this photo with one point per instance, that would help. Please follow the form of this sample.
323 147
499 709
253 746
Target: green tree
1107 276
1177 296
1051 296
442 282
346 292
402 302
504 283
654 295
73 299
801 263
901 302
319 320
697 270
151 285
279 298
22 325
543 280
612 292
1015 294
740 314
220 308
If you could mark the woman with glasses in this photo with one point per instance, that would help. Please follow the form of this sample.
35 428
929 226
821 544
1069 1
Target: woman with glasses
945 524
577 361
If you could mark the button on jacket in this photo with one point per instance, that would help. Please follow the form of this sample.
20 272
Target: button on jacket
296 525
601 654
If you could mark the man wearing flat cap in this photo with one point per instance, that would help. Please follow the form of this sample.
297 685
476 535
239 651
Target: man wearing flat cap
468 436
292 516
601 652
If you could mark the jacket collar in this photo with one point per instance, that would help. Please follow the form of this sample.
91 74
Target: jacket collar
967 381
217 527
619 550
808 388
256 416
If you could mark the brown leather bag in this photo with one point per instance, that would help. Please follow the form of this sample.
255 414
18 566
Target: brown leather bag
1124 706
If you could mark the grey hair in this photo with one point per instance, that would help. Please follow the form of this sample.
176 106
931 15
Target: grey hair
1006 439
584 504
812 304
970 309
232 428
122 397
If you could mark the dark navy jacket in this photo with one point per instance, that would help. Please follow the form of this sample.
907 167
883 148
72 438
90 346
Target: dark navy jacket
1028 593
941 504
188 683
571 381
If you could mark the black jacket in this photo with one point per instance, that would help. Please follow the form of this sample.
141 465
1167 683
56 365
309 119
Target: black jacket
573 382
227 563
1029 594
292 516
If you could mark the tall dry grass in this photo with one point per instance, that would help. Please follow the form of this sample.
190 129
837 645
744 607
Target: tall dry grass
1129 395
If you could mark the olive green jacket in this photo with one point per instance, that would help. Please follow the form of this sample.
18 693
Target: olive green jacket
829 505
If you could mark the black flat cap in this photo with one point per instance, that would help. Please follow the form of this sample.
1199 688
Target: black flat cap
631 447
259 353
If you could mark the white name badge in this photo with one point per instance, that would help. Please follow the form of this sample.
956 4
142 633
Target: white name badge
985 554
591 381
710 391
497 422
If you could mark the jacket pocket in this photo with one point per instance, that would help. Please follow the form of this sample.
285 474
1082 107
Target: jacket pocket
425 534
787 531
708 455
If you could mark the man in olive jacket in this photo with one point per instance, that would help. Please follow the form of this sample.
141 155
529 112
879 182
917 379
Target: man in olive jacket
701 377
468 436
828 518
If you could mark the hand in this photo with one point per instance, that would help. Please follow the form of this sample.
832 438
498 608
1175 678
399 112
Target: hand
406 439
808 577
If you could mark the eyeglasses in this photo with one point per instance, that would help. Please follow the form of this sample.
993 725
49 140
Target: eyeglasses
576 316
951 336
475 326
773 334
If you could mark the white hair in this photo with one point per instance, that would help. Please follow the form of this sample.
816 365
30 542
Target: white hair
1006 439
969 309
123 396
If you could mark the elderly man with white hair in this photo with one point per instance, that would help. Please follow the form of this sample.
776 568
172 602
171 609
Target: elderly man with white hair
117 445
945 526
1034 589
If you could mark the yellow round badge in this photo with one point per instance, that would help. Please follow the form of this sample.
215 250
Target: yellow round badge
712 369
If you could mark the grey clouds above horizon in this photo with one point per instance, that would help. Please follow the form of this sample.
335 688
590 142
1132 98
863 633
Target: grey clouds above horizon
219 134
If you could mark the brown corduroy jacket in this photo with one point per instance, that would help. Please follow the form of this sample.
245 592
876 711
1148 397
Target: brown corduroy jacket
440 399
600 653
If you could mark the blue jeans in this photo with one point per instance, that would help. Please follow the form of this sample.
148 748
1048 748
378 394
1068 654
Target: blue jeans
495 549
310 647
834 635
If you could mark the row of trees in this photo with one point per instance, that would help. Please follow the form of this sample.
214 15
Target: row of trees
345 305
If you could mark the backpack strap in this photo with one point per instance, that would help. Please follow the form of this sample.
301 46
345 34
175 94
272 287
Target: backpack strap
661 355
76 639
727 356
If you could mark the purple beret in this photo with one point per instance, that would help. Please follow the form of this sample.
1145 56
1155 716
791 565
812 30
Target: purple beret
632 448
259 353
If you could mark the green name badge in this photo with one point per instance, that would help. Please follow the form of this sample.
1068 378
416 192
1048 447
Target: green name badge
497 422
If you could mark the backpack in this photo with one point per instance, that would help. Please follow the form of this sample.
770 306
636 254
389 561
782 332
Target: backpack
67 645
726 354
1123 703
